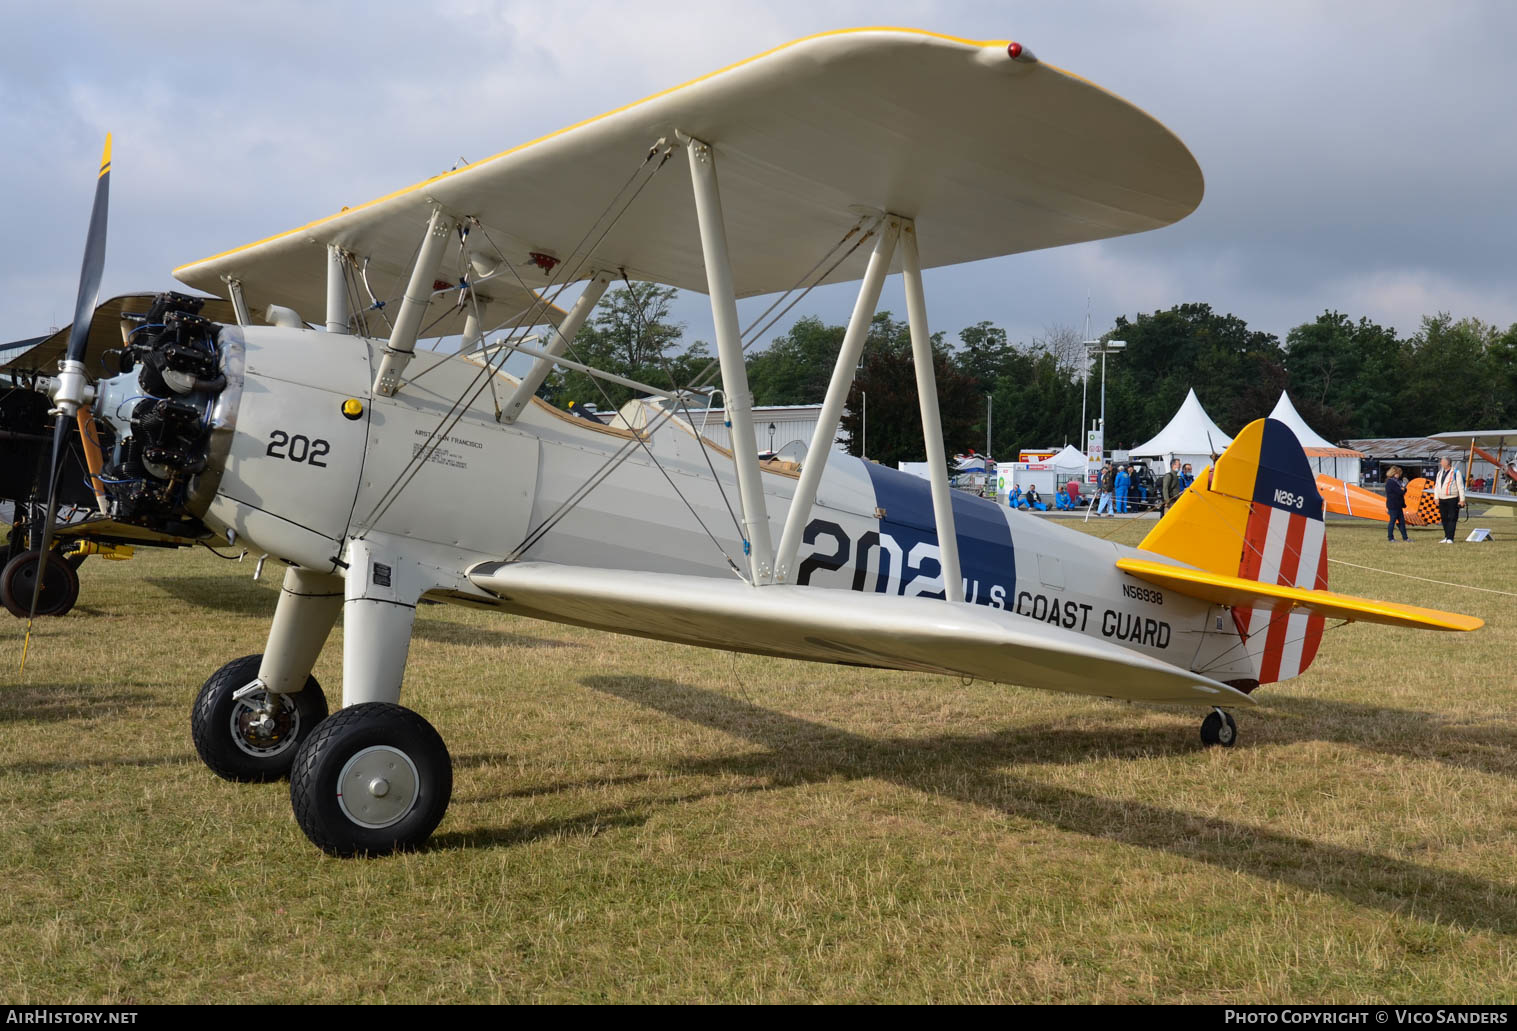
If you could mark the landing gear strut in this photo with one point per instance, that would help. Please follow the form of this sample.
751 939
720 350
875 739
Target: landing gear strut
1219 728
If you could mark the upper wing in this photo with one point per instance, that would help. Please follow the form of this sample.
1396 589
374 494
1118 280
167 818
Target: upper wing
1463 439
990 155
823 625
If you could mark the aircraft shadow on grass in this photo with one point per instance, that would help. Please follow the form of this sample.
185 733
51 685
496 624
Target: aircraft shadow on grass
585 824
969 768
244 597
59 703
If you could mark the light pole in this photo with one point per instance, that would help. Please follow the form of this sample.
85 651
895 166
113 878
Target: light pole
1085 391
771 438
1103 348
864 428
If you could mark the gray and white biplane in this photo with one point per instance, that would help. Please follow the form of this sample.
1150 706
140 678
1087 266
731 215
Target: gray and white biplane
379 475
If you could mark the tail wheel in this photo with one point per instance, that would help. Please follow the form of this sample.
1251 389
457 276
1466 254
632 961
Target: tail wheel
18 582
1219 728
374 779
243 736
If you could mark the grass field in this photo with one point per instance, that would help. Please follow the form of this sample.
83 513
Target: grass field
633 821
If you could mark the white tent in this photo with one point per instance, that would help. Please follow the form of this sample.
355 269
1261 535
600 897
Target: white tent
1324 456
1070 459
1190 436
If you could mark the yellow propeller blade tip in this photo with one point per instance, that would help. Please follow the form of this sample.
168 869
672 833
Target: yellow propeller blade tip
105 156
25 645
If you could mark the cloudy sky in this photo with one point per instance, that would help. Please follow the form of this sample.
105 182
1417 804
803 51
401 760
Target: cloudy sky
1358 155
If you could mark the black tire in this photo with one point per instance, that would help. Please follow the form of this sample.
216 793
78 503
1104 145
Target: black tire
225 736
357 748
1219 728
60 585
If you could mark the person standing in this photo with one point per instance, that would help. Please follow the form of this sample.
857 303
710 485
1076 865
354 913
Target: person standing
1448 491
1169 487
1395 504
1107 485
1123 481
1187 476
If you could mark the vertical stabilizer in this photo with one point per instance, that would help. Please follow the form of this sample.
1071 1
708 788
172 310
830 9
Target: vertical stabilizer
1257 514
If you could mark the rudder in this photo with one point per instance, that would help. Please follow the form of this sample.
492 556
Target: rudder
1257 514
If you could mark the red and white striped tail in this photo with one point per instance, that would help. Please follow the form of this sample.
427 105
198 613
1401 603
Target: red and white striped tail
1283 547
1257 514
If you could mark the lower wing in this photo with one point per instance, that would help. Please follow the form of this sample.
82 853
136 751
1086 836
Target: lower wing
823 625
1509 500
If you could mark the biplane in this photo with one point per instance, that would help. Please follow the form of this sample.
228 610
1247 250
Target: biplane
379 475
1479 444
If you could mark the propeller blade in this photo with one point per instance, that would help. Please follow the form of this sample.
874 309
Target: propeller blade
60 427
71 383
94 260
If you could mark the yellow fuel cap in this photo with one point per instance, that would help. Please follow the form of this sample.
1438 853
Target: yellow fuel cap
352 408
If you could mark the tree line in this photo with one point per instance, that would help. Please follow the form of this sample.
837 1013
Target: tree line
1349 379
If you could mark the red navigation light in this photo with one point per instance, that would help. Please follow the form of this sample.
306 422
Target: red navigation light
1013 50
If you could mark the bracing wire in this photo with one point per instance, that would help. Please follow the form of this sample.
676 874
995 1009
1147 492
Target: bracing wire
488 369
487 372
617 458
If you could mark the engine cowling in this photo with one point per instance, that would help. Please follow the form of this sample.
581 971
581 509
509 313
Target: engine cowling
257 433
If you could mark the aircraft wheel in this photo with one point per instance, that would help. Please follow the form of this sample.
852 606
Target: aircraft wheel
60 585
375 778
237 738
1219 728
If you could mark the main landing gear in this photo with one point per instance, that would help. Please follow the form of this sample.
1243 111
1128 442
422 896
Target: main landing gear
370 779
1219 728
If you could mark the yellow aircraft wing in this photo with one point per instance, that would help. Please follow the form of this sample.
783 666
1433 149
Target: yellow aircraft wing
990 154
1237 591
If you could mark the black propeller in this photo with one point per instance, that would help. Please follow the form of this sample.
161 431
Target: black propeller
69 390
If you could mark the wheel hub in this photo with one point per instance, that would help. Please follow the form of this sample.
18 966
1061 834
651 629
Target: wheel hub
261 729
378 786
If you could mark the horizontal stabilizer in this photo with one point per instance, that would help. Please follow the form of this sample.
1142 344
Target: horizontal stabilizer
824 625
1240 593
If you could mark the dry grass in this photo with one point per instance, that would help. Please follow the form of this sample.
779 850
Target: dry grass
633 821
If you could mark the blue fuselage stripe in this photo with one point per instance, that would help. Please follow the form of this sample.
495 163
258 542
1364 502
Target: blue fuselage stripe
987 557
